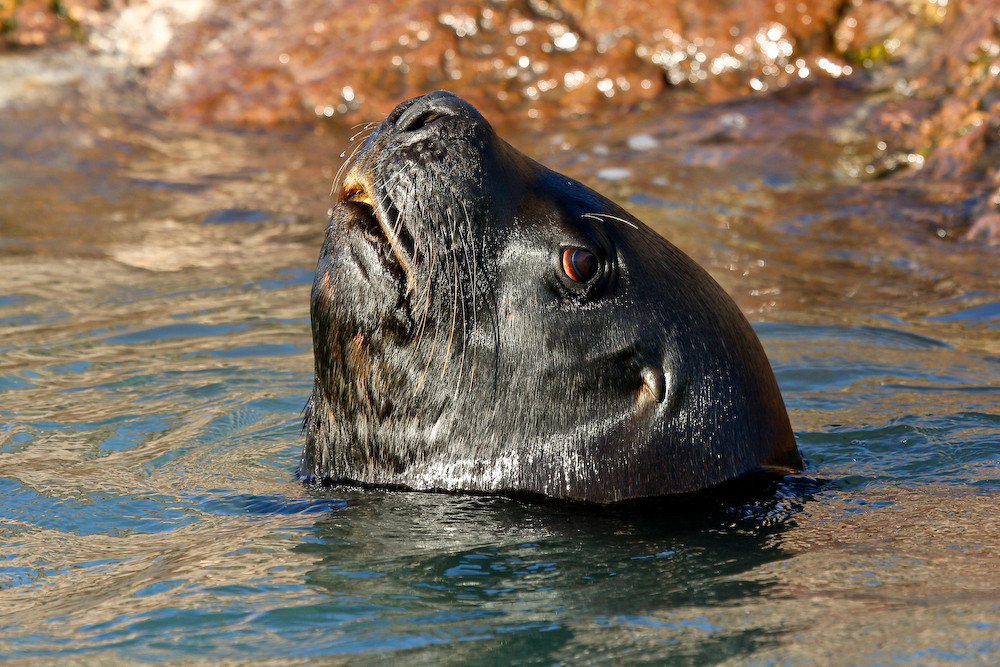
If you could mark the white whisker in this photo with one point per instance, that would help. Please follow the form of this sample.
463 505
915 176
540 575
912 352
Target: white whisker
470 253
454 300
599 216
346 163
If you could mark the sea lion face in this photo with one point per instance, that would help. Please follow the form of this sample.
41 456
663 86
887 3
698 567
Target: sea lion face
482 323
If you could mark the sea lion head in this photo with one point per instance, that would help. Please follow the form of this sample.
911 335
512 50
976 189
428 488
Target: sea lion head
482 323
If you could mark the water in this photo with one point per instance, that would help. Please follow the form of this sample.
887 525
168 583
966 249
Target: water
155 357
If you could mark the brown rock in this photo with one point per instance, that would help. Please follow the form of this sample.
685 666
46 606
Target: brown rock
254 61
31 23
986 227
924 73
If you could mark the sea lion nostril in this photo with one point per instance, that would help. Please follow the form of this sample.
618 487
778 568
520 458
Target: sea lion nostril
427 109
425 117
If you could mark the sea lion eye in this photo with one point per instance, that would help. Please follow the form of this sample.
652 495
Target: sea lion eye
579 264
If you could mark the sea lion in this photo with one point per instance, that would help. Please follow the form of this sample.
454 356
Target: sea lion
484 324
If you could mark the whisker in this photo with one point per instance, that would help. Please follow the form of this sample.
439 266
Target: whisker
366 129
340 172
430 358
454 303
599 216
425 296
471 252
460 297
385 201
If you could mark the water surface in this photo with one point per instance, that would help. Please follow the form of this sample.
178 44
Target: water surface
155 357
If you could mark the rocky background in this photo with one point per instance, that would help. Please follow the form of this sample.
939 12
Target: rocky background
922 75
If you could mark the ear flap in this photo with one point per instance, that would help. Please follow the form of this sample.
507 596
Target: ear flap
660 387
654 384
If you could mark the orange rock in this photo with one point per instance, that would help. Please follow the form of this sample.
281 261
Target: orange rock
534 58
31 23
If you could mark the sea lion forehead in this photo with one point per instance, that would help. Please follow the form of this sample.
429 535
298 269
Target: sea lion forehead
577 215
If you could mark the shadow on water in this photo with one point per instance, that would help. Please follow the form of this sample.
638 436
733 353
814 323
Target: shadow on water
551 580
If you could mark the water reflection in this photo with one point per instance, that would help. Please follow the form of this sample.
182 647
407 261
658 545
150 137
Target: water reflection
502 571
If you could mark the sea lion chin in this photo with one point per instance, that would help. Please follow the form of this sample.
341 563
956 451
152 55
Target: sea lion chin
484 324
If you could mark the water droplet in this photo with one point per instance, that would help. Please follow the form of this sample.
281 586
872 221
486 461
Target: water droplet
567 41
614 173
736 121
642 142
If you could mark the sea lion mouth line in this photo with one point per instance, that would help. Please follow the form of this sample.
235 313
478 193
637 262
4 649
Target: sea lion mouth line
386 217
